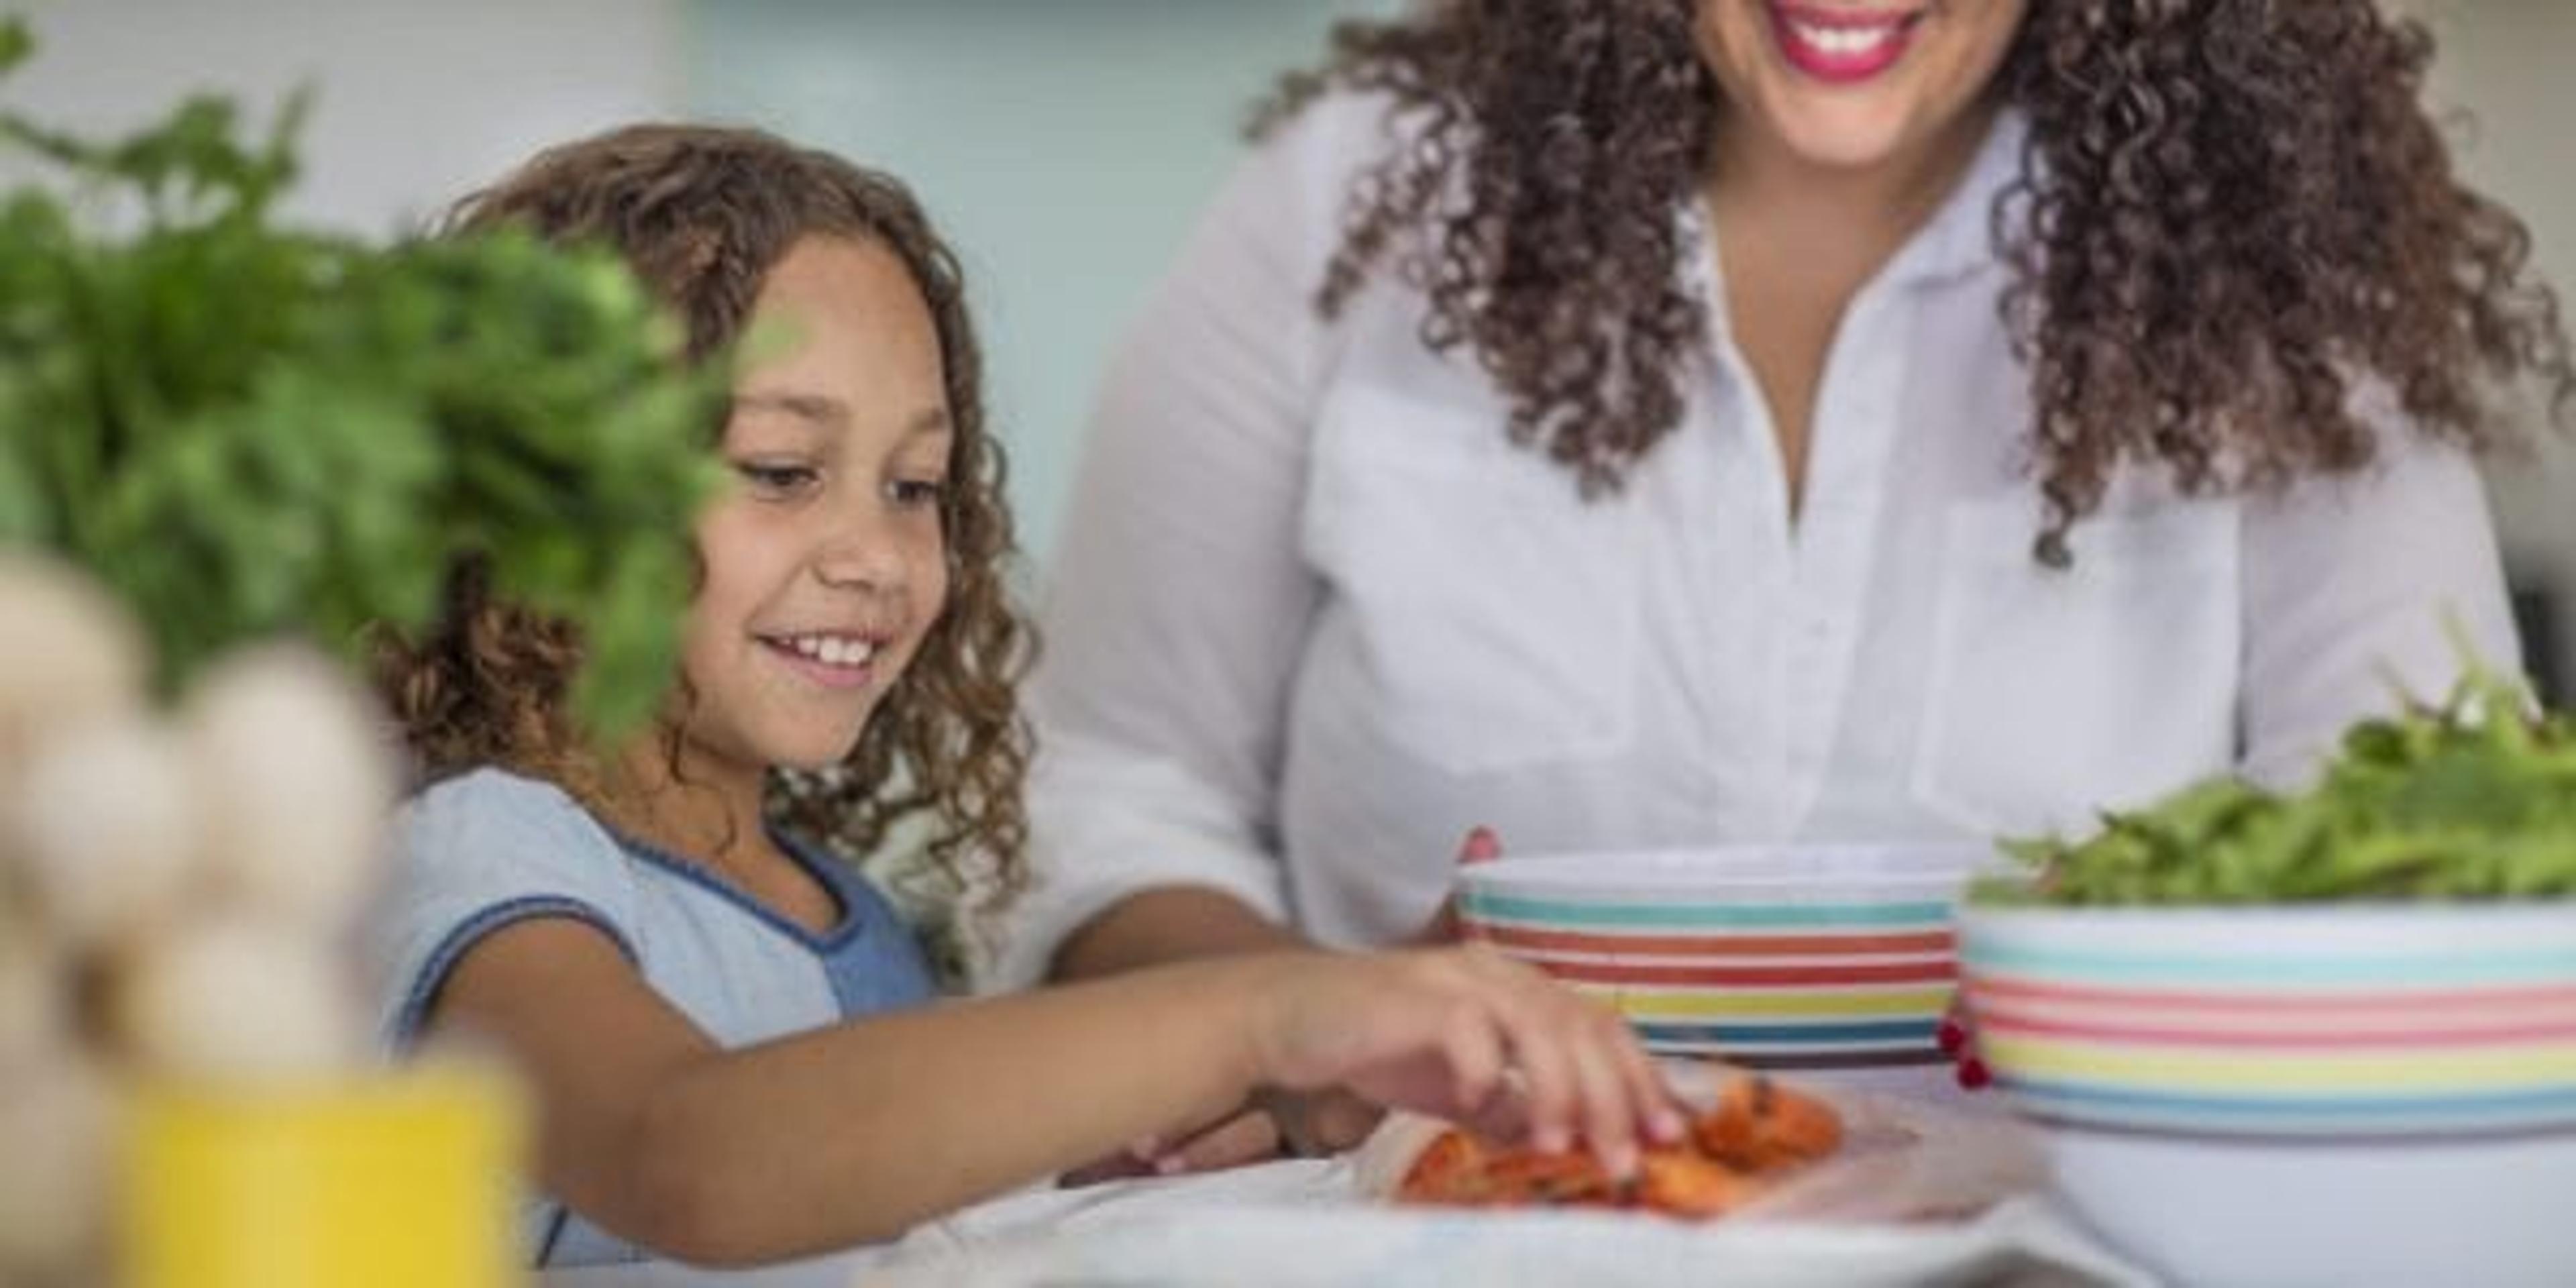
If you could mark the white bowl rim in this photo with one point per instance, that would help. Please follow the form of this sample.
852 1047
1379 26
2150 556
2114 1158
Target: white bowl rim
2234 915
2539 932
1743 866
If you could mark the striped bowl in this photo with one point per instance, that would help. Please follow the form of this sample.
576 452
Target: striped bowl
1784 957
2360 1094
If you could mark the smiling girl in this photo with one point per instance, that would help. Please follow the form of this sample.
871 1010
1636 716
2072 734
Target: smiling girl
731 1039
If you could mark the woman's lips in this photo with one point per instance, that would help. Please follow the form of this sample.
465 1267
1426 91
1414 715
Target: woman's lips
1841 46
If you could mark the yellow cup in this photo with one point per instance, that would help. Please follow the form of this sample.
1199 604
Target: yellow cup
401 1179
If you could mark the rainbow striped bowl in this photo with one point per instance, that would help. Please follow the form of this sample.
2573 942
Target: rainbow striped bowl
2289 1095
1783 957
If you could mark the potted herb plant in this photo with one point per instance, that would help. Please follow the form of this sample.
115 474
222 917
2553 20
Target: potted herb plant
217 430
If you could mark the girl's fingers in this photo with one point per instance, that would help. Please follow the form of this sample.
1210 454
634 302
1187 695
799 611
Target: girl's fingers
1609 1116
1614 1091
1658 1114
1126 1164
1476 1062
1248 1137
1549 1080
1565 1052
1327 1123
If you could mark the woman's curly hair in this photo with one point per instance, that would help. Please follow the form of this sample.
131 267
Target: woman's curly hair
2230 213
702 215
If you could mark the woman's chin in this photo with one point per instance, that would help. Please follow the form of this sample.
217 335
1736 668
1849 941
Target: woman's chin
1843 135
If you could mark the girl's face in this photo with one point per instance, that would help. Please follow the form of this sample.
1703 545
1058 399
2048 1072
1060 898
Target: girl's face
825 562
1854 84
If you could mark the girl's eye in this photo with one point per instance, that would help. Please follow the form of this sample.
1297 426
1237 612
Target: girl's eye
775 480
917 492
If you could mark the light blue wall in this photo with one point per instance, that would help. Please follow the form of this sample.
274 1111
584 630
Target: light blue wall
1065 146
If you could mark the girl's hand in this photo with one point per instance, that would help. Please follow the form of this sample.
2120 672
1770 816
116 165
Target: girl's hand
1467 1034
1279 1122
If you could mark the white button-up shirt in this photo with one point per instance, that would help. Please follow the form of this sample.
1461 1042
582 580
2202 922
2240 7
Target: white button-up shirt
1313 616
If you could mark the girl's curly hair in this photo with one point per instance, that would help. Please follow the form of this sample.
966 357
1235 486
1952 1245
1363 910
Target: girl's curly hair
2229 214
702 215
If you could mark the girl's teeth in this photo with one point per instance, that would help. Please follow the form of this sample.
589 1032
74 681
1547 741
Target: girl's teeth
834 651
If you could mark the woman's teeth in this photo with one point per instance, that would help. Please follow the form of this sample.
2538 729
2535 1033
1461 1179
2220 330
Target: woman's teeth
1845 41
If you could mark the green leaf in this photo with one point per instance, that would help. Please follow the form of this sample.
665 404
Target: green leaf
247 429
2472 799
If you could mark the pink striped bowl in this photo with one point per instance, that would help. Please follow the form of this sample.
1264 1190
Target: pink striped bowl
1800 957
2285 1095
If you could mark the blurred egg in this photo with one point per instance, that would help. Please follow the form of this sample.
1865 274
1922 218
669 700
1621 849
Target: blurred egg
234 998
55 1132
106 821
35 1010
68 650
295 781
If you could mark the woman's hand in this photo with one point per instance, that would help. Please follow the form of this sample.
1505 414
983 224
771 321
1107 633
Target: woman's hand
1480 846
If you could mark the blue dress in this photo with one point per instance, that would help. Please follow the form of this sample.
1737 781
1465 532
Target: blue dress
489 848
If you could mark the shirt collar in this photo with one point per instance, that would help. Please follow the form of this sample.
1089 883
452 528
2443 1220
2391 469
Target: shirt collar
1959 239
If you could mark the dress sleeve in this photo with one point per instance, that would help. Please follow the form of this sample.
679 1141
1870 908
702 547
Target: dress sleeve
1177 601
2360 594
475 854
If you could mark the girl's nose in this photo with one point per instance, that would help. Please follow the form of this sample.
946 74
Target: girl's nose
862 556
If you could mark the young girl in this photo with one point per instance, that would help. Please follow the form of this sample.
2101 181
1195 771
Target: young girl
730 1037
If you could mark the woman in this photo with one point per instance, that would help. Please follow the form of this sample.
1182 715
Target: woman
1666 422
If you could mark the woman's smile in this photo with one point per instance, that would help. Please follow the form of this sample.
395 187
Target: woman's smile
1842 46
1855 85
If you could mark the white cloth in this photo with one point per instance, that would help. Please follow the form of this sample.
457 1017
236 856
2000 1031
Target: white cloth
2027 1243
1918 1196
1312 616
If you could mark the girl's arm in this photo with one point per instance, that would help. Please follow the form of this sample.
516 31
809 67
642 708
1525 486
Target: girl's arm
851 1134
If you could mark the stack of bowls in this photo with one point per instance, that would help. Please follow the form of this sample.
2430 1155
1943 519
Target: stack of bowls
1779 957
2298 1095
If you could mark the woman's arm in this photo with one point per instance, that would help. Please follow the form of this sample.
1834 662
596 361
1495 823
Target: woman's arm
1168 924
1177 600
850 1134
2359 592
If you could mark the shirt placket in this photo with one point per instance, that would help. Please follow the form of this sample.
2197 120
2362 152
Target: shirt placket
1834 556
1747 583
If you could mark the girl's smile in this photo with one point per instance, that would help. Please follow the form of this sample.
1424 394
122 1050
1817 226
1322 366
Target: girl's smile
831 659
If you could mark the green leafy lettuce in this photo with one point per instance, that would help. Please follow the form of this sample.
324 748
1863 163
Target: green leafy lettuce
2474 799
